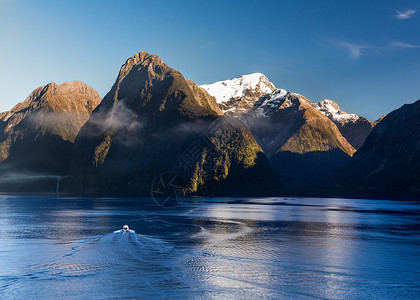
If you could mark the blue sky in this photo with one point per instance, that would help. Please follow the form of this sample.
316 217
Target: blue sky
365 55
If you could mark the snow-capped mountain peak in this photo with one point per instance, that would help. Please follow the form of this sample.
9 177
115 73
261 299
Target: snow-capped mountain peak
333 111
239 94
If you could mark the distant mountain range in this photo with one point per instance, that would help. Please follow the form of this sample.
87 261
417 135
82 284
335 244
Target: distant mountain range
239 95
238 137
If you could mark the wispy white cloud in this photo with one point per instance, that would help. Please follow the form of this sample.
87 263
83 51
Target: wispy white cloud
354 50
357 50
399 44
404 15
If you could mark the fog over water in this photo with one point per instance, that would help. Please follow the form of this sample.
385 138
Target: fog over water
66 247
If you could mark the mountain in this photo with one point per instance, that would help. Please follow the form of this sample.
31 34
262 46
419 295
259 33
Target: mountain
353 127
374 123
50 113
238 95
154 124
388 163
204 98
36 136
301 143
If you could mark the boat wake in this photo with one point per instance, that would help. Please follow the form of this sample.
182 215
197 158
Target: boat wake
113 252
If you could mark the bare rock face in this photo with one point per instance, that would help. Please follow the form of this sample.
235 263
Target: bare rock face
238 95
352 126
37 133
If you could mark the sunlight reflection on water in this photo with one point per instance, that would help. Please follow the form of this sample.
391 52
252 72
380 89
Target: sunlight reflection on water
209 248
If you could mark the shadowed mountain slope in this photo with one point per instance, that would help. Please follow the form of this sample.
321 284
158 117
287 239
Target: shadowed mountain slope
388 164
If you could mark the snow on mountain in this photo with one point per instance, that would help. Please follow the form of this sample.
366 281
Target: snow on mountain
256 94
278 99
332 111
238 95
353 127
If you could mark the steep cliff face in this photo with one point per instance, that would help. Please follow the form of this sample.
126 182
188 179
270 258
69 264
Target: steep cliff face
37 134
154 122
388 164
302 144
204 98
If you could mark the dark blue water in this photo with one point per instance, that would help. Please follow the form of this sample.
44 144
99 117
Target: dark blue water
270 248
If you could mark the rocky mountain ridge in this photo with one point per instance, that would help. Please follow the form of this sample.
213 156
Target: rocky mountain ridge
51 110
37 135
239 95
68 98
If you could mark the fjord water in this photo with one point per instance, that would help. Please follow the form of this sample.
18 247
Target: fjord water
214 248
